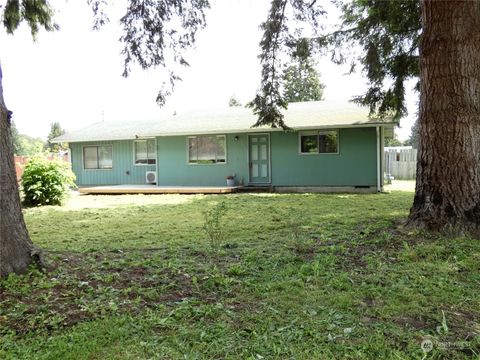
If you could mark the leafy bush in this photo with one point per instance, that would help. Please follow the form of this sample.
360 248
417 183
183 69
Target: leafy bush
46 182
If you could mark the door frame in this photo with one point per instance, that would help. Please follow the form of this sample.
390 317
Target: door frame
269 159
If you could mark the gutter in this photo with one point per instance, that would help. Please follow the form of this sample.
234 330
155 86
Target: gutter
223 132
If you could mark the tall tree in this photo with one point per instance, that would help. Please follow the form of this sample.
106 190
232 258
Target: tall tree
155 34
28 146
17 251
55 131
447 194
388 33
301 82
279 38
437 42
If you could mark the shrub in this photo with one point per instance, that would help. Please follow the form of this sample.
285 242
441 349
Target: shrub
46 182
213 226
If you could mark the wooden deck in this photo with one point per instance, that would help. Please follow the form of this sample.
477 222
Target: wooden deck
153 189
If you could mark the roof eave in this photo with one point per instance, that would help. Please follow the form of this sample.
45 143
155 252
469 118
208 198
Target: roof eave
232 131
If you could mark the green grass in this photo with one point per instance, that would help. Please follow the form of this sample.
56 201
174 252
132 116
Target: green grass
293 277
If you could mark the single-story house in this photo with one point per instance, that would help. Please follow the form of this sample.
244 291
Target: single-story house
331 146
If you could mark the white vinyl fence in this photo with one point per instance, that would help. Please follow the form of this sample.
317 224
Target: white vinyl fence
400 162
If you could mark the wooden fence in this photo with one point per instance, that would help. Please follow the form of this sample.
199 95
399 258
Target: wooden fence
20 162
401 163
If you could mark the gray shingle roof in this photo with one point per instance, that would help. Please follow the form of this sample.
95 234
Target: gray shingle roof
306 115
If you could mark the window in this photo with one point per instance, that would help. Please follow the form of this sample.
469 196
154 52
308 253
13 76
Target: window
319 142
145 152
207 149
97 157
309 143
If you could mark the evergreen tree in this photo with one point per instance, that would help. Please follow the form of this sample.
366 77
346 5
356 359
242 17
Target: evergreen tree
278 38
55 131
413 138
301 82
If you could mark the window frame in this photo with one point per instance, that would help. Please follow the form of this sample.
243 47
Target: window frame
134 154
97 168
317 133
187 141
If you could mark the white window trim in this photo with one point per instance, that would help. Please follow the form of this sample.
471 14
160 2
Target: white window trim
133 149
210 164
306 133
96 169
317 132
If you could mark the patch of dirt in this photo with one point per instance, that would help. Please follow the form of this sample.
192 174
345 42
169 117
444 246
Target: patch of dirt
369 320
464 323
465 316
354 256
412 323
370 302
306 253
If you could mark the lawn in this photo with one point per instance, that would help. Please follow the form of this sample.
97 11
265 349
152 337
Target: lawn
291 276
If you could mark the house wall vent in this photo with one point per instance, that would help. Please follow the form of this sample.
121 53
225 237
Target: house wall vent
151 177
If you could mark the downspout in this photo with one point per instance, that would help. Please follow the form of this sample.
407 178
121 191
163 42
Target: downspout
382 158
157 161
378 160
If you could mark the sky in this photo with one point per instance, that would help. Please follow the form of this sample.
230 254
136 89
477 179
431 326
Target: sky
73 76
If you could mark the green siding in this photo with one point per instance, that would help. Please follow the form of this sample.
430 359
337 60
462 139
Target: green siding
122 163
355 165
174 169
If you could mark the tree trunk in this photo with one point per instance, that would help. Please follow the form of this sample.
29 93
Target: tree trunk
17 251
447 194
